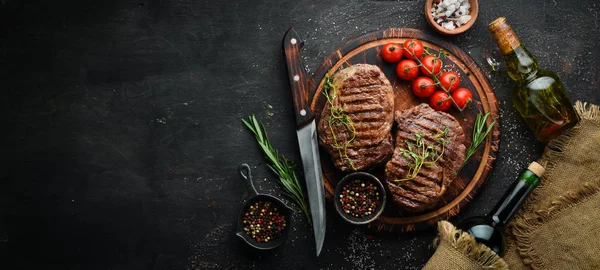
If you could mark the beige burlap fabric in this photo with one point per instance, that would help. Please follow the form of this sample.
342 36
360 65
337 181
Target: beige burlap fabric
558 226
458 250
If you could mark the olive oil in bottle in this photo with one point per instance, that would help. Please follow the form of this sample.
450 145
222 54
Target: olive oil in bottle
540 96
487 230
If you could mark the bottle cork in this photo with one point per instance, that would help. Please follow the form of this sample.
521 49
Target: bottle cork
536 169
504 35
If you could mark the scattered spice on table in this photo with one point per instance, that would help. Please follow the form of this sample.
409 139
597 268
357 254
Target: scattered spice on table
359 198
263 222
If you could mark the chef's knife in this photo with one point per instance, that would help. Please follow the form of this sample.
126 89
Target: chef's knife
306 129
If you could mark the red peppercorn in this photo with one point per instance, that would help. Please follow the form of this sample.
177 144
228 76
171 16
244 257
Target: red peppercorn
256 223
358 196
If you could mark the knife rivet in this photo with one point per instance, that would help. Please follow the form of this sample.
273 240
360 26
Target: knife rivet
303 112
293 41
296 78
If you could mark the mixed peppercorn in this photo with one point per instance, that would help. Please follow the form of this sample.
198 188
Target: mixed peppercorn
359 198
263 222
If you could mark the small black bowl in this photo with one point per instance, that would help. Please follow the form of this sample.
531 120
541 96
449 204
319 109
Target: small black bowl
367 177
285 211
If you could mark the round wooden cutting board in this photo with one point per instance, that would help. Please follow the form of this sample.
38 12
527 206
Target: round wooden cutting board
366 49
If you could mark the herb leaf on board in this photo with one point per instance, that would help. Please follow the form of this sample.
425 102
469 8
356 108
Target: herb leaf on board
479 134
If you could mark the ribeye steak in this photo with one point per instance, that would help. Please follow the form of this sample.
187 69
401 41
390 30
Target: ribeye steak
363 94
417 190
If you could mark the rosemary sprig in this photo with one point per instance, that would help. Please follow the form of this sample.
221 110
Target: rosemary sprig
422 155
281 166
338 117
479 135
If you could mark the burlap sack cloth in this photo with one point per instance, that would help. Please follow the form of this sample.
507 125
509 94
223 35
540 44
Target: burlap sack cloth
558 226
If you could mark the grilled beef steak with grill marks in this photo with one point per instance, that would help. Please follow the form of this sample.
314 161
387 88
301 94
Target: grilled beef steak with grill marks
445 136
366 97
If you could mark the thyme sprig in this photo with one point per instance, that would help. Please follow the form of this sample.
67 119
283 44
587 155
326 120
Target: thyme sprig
338 117
441 53
422 154
281 166
479 135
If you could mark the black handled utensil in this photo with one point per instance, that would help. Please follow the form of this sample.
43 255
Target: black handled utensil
306 130
244 171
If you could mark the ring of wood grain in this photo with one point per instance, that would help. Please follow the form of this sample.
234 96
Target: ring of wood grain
366 49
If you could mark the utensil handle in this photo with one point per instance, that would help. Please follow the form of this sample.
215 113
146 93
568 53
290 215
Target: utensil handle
292 47
246 174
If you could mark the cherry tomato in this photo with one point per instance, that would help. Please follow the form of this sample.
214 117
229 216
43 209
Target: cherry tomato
423 87
440 101
450 80
414 46
391 52
431 64
462 97
407 69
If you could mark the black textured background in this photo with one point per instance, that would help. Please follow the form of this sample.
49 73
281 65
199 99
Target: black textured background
121 124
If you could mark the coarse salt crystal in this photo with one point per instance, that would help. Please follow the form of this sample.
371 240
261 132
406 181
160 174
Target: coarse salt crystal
448 25
451 13
464 19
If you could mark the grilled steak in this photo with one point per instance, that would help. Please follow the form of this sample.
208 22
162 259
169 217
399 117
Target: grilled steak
366 98
445 136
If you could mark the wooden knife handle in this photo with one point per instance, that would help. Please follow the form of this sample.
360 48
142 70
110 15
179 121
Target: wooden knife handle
292 47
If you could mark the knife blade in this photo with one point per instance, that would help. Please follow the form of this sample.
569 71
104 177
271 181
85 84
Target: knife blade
306 130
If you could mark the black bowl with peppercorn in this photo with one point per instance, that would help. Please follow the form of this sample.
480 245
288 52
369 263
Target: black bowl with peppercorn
359 198
265 221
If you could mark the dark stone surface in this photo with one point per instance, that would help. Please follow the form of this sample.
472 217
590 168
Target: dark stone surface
121 124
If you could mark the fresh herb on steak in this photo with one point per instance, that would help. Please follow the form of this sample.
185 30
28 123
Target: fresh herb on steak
478 136
359 137
427 188
338 117
422 154
281 166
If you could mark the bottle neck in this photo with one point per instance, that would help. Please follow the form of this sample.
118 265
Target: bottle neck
521 64
505 37
513 198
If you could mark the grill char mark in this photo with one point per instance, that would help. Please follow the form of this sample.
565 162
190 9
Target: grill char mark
426 189
367 98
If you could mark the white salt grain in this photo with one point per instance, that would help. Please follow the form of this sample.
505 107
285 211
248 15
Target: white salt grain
451 13
448 25
464 19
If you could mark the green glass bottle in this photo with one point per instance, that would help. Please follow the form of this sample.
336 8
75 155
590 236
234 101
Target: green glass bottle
540 96
487 230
